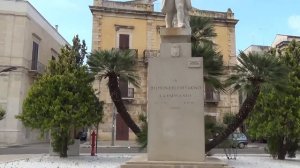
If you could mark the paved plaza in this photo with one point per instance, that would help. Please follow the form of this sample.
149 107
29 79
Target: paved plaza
115 160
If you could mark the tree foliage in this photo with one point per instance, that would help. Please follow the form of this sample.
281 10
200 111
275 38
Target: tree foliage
2 113
253 73
62 99
276 116
202 46
142 139
212 128
228 118
202 30
120 62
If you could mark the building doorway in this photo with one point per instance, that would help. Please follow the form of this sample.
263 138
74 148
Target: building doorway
122 130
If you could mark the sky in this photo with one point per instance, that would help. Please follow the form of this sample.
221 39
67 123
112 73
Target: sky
259 20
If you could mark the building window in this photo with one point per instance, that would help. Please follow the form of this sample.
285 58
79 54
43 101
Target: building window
124 41
35 54
211 95
124 36
54 54
123 84
127 91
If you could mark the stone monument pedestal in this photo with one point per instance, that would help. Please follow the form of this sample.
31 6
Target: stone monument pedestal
175 107
175 101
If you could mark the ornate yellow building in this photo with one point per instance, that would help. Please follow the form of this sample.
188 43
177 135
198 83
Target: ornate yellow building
135 25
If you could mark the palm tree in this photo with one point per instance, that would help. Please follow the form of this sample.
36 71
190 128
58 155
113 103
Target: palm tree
202 30
202 46
116 65
213 65
254 73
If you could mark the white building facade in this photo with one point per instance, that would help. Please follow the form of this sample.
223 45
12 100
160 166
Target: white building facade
27 42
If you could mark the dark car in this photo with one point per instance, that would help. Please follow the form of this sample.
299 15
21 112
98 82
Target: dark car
82 136
239 139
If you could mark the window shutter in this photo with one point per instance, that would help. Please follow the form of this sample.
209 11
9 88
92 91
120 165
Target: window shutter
35 53
124 41
123 84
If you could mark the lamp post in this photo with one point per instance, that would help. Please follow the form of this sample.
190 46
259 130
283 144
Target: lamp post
113 126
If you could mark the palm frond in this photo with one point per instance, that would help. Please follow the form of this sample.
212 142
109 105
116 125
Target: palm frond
257 69
214 82
119 62
213 64
202 30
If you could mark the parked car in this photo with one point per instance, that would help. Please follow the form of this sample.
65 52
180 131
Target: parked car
82 136
239 139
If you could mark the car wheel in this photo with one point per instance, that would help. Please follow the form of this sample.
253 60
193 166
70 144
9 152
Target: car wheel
241 145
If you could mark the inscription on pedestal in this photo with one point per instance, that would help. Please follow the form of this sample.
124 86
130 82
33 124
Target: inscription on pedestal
175 96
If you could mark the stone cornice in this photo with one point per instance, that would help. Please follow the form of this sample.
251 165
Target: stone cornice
218 17
106 10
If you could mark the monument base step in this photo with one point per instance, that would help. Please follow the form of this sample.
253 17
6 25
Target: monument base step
142 162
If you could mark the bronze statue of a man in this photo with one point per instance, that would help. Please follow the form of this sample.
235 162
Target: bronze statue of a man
178 10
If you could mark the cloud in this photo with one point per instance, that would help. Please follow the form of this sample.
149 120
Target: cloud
294 22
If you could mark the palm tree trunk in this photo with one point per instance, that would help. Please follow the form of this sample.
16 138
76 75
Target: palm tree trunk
243 113
115 94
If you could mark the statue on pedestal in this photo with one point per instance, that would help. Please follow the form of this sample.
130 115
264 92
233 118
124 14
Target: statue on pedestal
177 13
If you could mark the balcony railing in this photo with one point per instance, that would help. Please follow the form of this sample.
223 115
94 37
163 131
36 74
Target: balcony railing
129 95
150 54
36 68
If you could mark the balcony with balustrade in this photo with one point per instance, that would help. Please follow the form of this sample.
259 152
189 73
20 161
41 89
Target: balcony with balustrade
36 68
